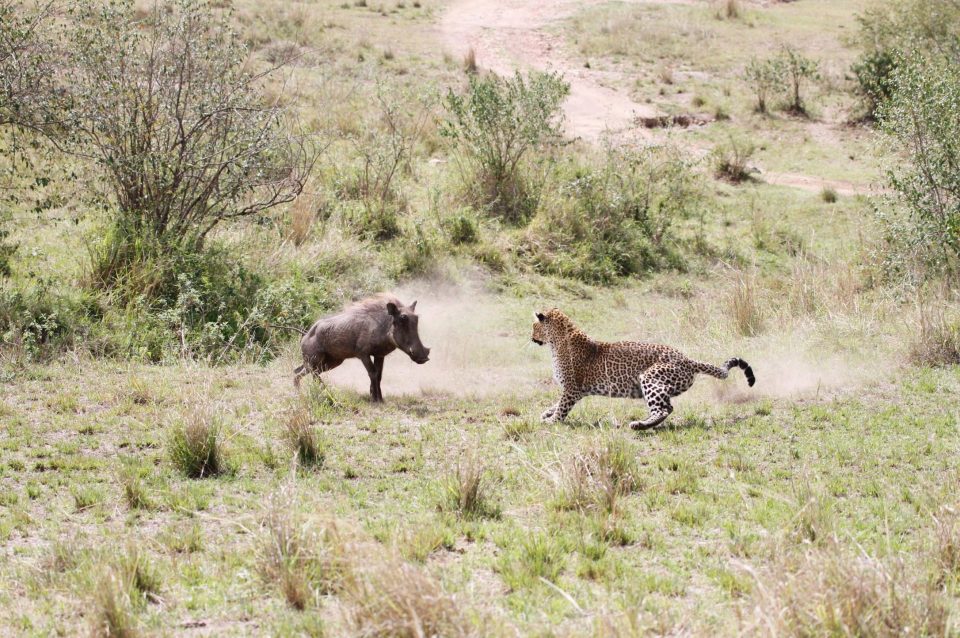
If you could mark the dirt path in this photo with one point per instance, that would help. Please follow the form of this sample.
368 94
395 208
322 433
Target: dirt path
515 34
512 34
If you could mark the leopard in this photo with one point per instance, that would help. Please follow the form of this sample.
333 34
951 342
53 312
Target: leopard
625 369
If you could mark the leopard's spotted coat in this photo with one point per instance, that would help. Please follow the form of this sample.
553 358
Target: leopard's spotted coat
649 371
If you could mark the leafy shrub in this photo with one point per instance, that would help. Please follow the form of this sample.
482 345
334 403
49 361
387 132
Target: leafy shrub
874 73
496 124
462 229
38 321
765 78
180 129
208 306
797 69
614 221
923 120
28 95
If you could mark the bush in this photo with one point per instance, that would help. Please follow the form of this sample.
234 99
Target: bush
732 160
616 220
874 73
765 78
180 129
28 53
923 120
205 306
496 124
797 69
37 321
383 151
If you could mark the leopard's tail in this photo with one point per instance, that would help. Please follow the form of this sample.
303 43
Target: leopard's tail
722 373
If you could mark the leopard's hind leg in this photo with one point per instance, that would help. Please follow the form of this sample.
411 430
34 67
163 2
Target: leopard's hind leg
658 385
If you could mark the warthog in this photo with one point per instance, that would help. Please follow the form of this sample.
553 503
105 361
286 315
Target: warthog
368 330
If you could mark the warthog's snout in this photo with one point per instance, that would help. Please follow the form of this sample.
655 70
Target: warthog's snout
422 357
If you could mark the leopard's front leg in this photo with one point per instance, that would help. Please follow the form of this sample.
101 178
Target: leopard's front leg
549 412
560 411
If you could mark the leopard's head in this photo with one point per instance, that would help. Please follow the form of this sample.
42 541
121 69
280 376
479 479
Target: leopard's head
550 326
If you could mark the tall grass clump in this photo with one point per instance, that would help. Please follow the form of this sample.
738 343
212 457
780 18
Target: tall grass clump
597 477
496 126
196 447
731 160
814 521
466 492
134 490
729 9
531 557
303 437
615 220
745 309
121 592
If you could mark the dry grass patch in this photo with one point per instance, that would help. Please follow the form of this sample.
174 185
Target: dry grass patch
829 592
303 216
937 339
304 557
388 597
470 62
729 9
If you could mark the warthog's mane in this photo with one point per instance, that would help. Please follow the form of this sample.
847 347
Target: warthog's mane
373 305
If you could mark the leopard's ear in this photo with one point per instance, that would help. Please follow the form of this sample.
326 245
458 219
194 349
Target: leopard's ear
540 316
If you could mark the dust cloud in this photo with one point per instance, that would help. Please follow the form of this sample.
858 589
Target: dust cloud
479 346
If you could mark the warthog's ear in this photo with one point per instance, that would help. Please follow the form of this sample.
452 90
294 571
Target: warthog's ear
413 306
540 316
392 309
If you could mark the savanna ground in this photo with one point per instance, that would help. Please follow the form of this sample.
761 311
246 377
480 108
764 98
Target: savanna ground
820 502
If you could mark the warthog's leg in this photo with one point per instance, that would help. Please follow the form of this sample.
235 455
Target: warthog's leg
372 373
378 366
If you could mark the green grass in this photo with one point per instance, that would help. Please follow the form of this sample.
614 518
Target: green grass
711 494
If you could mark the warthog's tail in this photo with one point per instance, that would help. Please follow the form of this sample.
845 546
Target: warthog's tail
722 373
298 373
